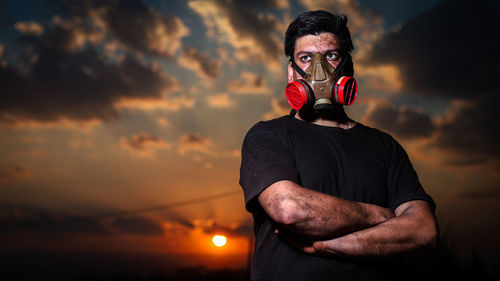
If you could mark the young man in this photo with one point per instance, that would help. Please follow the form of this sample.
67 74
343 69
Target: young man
331 198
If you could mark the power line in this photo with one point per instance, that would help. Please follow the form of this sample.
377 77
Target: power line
171 205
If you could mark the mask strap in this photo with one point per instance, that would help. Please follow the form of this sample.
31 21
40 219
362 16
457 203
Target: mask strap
305 75
341 65
292 112
299 70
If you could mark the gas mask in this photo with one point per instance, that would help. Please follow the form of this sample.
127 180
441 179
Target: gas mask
321 85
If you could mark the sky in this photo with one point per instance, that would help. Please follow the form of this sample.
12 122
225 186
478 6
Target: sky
121 122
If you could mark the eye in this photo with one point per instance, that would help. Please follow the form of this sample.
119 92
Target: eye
332 56
305 58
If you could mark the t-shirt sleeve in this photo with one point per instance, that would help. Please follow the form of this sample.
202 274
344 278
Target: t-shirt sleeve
403 183
264 161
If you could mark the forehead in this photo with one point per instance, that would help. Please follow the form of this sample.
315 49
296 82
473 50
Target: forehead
316 43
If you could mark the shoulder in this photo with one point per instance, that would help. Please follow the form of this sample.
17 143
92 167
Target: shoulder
274 125
376 134
381 141
269 133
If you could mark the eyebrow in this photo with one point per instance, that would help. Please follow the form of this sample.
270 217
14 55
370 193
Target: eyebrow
309 53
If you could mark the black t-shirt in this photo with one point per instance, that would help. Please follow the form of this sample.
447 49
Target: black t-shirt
360 164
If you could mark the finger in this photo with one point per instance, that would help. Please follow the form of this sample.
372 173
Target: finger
324 247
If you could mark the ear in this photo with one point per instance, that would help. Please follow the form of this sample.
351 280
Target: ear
291 73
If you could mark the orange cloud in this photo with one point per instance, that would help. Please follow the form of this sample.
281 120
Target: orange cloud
197 234
139 27
163 122
279 107
61 123
220 101
69 77
144 145
173 104
77 143
14 173
382 77
95 87
249 83
165 37
239 24
29 27
195 142
233 153
199 63
74 34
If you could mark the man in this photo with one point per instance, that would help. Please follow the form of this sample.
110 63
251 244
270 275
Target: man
332 199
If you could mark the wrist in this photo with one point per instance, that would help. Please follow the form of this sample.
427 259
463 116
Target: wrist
376 214
341 246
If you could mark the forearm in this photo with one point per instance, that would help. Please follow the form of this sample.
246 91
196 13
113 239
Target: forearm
318 215
414 229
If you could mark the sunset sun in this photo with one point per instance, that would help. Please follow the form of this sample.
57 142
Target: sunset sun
219 240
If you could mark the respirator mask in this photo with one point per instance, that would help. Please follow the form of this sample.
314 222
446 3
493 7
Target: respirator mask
321 85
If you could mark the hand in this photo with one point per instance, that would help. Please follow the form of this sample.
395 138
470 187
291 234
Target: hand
378 214
327 247
301 243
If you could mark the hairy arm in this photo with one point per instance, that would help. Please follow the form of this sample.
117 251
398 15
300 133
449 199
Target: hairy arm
414 227
317 215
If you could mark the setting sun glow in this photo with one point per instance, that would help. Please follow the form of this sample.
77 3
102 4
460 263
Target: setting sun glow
219 240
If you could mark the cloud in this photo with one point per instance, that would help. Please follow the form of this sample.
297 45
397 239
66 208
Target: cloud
381 77
220 101
22 218
78 143
15 218
62 74
142 28
71 34
194 142
243 230
279 107
248 83
144 145
365 25
210 226
137 226
14 173
29 27
240 24
404 122
169 103
469 131
233 153
200 63
128 24
448 51
79 87
163 122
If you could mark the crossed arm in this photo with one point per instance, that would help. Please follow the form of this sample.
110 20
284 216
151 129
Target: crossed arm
341 227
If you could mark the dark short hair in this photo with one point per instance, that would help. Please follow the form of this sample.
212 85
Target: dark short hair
314 23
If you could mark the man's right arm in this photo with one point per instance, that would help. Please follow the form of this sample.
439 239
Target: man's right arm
318 215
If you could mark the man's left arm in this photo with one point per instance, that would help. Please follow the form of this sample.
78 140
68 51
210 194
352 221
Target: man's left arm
414 227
